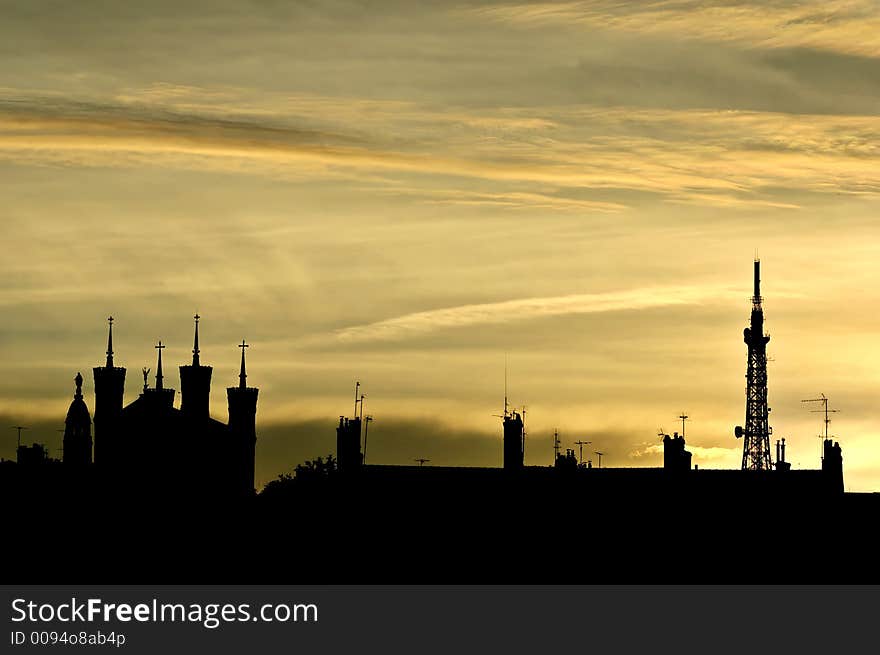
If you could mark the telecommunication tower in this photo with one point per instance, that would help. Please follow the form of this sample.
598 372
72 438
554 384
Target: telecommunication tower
756 432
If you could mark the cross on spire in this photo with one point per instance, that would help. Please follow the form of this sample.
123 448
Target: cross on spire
196 342
242 377
159 375
110 342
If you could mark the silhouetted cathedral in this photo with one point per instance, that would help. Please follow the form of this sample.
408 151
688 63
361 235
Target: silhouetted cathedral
154 447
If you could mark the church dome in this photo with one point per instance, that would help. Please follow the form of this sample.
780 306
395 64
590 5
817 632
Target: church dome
78 414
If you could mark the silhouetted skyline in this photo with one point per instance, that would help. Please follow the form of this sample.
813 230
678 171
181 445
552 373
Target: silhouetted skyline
155 421
194 455
408 196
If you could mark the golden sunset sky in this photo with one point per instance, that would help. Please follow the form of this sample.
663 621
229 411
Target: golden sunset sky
407 194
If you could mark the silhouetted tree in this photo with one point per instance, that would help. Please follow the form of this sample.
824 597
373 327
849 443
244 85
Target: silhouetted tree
309 472
317 469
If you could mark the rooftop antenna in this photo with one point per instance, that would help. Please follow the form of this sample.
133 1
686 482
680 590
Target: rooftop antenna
599 455
581 453
555 446
366 429
361 418
824 400
683 417
357 388
505 385
421 461
19 428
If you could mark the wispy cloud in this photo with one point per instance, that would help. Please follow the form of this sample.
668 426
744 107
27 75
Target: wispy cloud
846 26
420 323
510 158
510 200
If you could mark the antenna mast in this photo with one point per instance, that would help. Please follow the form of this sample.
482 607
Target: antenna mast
505 386
756 431
367 420
19 428
824 400
581 453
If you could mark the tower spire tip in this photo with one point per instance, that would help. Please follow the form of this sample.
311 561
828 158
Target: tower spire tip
110 342
242 376
159 376
196 341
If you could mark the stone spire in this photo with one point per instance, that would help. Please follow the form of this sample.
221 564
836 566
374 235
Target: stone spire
159 375
195 382
196 342
242 376
109 392
242 424
110 342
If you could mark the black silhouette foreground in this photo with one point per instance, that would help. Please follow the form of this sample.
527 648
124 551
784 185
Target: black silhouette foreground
169 498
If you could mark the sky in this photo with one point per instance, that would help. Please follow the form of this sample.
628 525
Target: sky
416 195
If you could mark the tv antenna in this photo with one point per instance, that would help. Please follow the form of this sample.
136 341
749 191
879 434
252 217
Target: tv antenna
505 385
824 400
366 429
683 417
19 428
421 461
599 455
555 446
581 453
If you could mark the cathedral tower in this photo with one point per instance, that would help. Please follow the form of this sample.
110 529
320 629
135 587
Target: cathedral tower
195 383
242 424
109 389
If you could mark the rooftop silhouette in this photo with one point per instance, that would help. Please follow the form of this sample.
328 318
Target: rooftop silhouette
181 467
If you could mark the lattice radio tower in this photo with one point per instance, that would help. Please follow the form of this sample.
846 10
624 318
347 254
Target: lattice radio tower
756 432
